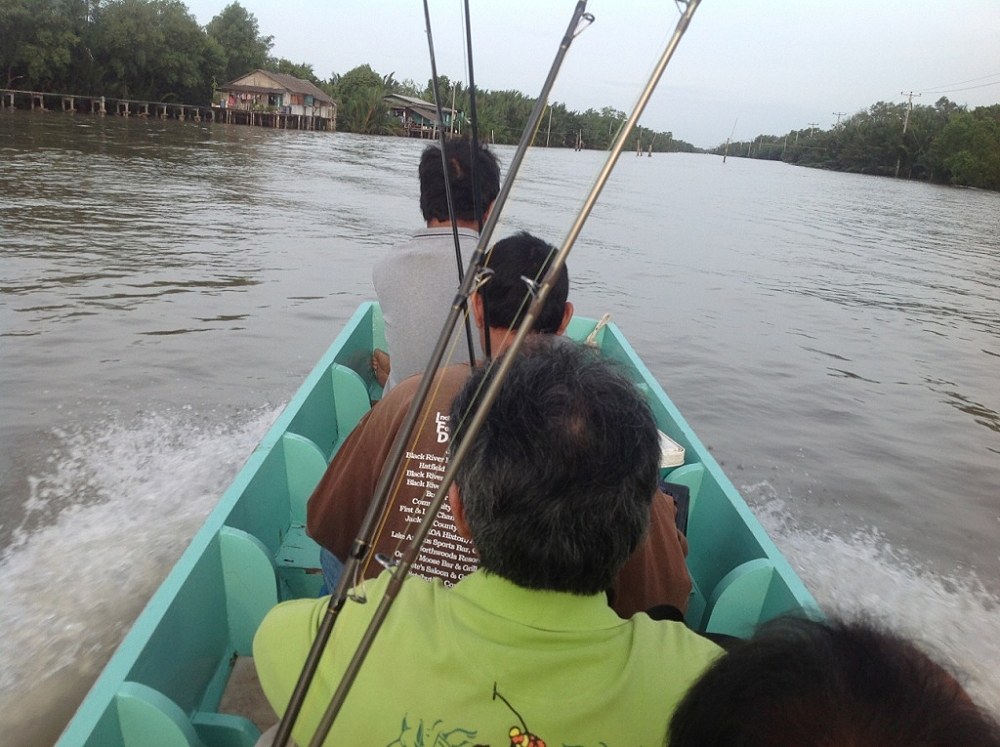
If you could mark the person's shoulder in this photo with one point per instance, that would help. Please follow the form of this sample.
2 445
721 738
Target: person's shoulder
401 394
391 258
455 374
289 626
675 637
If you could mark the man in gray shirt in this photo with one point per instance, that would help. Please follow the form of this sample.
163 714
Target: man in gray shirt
417 280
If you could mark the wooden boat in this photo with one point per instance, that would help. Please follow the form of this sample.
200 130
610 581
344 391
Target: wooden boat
164 684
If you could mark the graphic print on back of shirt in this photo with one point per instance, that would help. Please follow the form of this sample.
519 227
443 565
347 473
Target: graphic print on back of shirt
437 735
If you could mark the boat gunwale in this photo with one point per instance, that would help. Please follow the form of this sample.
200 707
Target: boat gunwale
614 345
100 696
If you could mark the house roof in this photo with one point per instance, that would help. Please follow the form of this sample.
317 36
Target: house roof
410 100
284 82
426 109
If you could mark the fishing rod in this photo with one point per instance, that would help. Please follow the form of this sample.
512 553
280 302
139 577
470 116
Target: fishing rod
446 170
477 196
539 294
380 501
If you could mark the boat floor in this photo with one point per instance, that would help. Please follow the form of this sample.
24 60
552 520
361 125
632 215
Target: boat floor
245 697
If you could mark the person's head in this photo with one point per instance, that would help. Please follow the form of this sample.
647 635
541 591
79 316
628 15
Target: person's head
505 295
555 489
825 684
459 155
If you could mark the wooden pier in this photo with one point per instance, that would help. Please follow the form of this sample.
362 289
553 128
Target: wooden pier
72 103
276 119
40 101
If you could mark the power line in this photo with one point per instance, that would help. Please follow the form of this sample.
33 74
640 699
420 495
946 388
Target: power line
969 88
947 87
970 80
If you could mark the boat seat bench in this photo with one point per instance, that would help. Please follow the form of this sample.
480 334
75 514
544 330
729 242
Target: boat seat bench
735 574
170 695
297 556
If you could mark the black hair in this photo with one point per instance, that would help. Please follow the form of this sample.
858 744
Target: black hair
459 155
557 484
825 684
505 294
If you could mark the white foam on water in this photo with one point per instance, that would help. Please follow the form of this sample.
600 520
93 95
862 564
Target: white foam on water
120 503
954 618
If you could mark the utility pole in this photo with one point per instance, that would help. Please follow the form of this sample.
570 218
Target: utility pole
909 107
813 126
733 132
454 92
838 115
548 132
906 121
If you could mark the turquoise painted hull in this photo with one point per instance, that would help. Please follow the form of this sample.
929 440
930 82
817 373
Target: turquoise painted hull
164 683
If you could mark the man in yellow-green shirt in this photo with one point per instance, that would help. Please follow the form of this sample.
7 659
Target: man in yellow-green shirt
555 494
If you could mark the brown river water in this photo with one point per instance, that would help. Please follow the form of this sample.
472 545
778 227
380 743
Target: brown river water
834 339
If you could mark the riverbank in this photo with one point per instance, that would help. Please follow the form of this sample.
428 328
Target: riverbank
40 101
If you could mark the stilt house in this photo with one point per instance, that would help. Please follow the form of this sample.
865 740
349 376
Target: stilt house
418 117
264 91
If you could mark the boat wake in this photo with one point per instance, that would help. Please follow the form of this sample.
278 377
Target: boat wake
118 503
954 617
115 508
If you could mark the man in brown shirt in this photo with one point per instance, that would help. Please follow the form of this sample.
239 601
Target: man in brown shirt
655 575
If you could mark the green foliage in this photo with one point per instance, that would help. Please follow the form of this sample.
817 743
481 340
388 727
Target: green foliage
360 93
407 87
153 50
238 34
503 115
357 80
969 148
36 43
941 143
143 49
301 70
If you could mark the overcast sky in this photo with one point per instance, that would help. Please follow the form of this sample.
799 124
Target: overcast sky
765 66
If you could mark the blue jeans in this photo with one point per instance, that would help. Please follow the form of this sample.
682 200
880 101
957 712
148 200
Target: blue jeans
332 569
